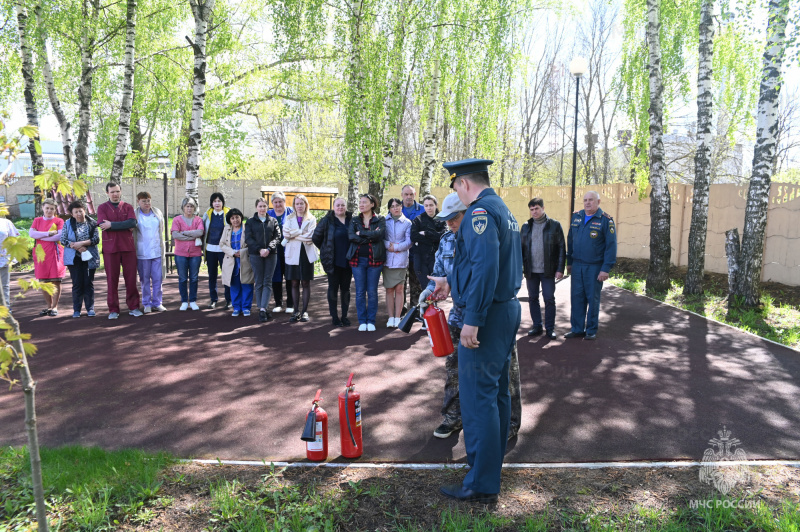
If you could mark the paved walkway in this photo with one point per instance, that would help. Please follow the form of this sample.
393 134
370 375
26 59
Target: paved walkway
656 385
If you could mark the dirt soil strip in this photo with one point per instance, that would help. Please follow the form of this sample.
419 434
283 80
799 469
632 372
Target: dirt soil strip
656 385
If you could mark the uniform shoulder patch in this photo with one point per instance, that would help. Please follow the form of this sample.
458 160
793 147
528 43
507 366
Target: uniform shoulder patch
479 223
607 215
478 210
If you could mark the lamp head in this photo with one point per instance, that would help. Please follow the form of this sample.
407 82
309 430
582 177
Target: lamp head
578 67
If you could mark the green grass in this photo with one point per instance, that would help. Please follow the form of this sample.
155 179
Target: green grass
86 488
779 323
91 489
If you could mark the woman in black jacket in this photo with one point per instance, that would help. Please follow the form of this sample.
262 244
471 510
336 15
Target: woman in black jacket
331 237
262 234
367 254
425 235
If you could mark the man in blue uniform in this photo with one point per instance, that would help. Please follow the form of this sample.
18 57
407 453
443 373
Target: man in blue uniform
486 276
591 253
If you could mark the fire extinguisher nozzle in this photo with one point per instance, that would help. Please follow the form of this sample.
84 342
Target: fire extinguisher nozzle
310 430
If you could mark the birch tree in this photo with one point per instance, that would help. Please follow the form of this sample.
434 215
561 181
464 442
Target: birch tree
31 112
430 136
751 254
127 93
660 248
357 30
64 124
202 11
702 163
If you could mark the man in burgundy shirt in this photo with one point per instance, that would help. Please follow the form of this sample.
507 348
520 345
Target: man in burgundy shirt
118 221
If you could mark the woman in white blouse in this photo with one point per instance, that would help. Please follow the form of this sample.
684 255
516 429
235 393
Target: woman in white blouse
150 252
300 254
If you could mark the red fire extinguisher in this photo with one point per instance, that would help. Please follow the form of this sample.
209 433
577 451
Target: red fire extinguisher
438 331
350 420
315 433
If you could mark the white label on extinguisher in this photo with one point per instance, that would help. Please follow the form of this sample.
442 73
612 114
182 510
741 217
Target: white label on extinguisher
358 413
316 445
430 338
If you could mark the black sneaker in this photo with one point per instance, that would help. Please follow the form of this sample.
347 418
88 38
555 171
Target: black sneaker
345 321
446 429
213 305
551 334
336 322
227 305
262 316
295 318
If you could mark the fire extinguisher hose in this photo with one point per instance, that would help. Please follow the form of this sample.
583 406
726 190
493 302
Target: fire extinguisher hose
347 415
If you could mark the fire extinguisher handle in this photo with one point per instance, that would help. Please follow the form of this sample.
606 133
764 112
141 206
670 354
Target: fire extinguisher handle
317 397
349 381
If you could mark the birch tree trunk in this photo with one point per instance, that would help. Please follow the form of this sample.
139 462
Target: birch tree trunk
127 93
32 114
84 107
660 245
202 10
138 151
702 162
755 217
29 391
431 138
354 106
63 123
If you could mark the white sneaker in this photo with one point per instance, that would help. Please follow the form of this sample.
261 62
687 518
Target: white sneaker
184 306
289 310
390 323
148 309
161 308
362 327
277 309
135 313
370 327
396 323
194 306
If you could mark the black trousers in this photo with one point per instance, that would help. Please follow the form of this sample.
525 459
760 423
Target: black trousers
339 281
82 284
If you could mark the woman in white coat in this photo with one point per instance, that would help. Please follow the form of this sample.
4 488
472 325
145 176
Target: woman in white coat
300 254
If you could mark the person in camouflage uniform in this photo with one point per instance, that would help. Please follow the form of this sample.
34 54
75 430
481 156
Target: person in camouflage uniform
453 212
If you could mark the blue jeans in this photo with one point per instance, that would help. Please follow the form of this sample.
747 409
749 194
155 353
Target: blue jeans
366 278
188 269
549 296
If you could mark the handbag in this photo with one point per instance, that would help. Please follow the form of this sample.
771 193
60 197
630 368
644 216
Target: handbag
86 256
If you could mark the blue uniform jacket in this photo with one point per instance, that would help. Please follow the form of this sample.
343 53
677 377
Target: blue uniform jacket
593 242
442 267
488 261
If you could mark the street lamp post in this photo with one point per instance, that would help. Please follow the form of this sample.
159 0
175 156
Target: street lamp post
577 68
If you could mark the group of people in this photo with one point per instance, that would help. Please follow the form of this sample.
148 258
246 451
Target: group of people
253 256
474 246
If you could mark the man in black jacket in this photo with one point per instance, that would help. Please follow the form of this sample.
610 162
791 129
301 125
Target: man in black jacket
544 254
